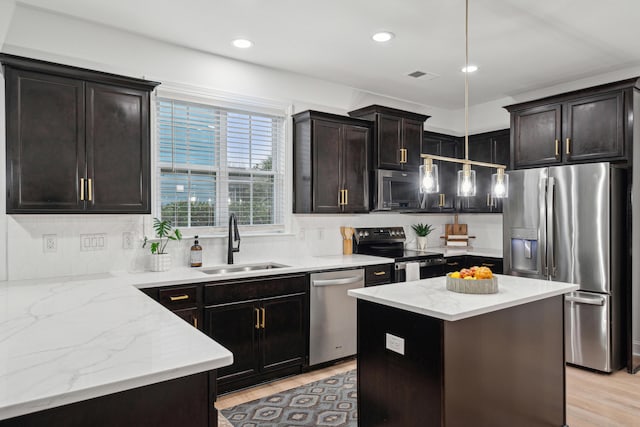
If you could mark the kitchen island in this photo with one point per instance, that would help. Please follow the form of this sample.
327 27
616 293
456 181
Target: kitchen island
428 356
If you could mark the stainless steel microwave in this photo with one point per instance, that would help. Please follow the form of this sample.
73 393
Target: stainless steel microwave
396 190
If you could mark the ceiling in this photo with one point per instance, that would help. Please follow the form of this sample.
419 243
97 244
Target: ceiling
518 45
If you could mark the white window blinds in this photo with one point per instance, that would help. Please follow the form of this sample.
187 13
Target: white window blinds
213 161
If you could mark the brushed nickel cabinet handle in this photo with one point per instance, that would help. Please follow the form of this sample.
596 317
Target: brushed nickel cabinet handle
178 297
488 199
81 188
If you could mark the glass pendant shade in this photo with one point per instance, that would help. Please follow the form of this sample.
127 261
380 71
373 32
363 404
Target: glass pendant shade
429 178
466 182
499 185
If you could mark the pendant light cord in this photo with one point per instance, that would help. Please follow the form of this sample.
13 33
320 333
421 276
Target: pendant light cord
466 81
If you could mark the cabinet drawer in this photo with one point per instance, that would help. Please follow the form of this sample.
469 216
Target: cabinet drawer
178 297
246 289
377 274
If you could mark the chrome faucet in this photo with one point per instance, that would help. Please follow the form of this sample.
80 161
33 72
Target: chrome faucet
233 222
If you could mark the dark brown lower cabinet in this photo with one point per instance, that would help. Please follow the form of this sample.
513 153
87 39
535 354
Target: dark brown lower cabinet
264 323
455 263
186 401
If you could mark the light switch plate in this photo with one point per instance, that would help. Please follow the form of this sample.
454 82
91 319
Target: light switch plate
93 242
395 344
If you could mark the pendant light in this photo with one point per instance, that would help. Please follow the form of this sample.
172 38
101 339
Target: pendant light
466 186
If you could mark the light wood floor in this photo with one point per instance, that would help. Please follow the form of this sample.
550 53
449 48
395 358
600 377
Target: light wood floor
593 400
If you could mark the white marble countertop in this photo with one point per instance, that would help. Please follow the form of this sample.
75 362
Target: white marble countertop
64 340
431 297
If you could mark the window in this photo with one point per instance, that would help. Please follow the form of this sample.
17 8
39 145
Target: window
214 161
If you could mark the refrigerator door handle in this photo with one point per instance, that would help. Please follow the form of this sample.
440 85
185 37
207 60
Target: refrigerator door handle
551 256
585 300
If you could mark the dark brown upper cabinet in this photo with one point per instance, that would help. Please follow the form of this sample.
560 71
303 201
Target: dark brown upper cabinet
445 200
331 158
78 141
489 147
398 136
588 125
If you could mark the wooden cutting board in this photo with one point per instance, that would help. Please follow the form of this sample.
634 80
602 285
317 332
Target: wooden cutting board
455 228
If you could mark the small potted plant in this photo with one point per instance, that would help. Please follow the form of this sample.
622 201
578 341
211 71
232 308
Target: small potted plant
160 259
422 231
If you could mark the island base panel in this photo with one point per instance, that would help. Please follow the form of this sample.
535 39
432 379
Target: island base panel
503 368
178 402
396 390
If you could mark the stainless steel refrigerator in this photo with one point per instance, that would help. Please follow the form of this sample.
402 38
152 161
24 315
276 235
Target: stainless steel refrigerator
567 223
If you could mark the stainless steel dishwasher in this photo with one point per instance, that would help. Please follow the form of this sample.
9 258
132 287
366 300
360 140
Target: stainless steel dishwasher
333 330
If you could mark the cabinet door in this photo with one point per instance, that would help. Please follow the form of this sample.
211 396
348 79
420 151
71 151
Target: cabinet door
190 315
449 174
480 149
594 128
283 334
45 142
117 149
495 264
501 156
389 141
537 134
236 327
355 171
455 263
326 173
412 142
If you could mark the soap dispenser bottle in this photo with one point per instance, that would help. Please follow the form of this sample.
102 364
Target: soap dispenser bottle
195 258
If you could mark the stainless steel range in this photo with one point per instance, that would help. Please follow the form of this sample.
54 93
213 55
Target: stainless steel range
389 242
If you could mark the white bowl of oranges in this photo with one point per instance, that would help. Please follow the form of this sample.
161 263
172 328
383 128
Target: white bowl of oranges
474 280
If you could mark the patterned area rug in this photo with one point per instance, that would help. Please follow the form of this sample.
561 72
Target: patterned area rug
329 402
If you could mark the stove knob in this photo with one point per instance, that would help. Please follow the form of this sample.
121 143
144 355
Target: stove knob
366 234
360 234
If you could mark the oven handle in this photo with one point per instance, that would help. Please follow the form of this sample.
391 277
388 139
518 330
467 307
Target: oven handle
403 265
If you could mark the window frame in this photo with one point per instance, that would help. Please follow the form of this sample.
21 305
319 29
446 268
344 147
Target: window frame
225 100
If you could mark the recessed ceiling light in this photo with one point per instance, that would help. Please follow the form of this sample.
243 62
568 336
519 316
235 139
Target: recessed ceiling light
242 43
469 69
382 36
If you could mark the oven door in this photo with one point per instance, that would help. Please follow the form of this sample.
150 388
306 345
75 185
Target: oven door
396 190
428 269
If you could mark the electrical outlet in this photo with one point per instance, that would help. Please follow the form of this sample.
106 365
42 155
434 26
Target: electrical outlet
50 242
93 242
395 343
127 240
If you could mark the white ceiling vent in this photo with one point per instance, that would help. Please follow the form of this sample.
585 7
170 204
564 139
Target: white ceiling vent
423 75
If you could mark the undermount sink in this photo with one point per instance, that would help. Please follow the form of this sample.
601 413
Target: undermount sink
242 267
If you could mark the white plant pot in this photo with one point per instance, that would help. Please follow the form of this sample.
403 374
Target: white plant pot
422 242
160 262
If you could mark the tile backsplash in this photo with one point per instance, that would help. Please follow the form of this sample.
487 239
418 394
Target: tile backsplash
69 245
